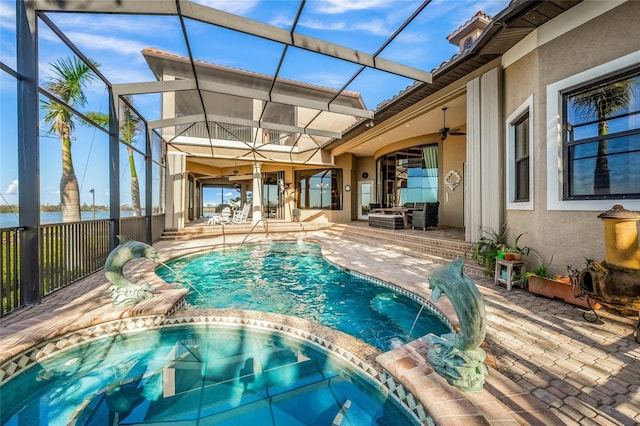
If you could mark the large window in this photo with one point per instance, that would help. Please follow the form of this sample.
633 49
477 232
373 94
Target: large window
601 139
408 176
319 189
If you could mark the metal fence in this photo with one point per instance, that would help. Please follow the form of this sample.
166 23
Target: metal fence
157 227
71 251
134 227
10 296
68 252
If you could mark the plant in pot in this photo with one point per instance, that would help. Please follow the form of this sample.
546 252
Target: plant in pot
488 247
541 281
518 252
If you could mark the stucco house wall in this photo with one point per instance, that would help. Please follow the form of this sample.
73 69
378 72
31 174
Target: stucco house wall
569 235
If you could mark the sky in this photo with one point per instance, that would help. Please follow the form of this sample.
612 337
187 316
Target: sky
115 42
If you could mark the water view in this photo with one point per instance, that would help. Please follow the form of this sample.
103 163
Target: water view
10 220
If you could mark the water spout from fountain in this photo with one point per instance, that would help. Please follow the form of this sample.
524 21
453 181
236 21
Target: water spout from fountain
417 316
180 278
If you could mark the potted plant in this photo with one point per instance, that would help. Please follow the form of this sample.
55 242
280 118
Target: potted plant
541 281
488 247
518 252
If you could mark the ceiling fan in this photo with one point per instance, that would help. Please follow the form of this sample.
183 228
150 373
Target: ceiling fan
445 131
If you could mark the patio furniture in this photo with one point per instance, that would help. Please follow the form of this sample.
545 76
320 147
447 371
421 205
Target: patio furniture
508 272
386 221
295 215
241 216
427 217
224 216
411 207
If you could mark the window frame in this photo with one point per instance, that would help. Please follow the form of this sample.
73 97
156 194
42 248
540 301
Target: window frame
512 204
555 143
335 190
567 144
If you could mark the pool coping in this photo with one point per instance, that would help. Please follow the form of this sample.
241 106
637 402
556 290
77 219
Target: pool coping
502 400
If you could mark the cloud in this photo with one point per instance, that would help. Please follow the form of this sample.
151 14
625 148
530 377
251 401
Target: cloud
237 7
375 26
340 6
7 15
12 188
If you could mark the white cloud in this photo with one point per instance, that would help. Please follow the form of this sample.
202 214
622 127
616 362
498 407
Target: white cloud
12 188
237 7
228 194
111 43
8 15
341 6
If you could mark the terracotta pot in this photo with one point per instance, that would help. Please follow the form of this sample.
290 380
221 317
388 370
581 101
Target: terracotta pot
508 256
557 289
517 256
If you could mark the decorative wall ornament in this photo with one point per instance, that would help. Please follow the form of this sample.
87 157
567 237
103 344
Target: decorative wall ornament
452 179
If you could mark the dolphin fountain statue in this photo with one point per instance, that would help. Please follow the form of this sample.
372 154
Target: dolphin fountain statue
458 356
122 291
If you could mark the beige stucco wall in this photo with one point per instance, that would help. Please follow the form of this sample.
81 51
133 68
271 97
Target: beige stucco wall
453 154
568 236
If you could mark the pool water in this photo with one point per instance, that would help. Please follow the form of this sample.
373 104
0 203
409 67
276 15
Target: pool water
294 279
200 374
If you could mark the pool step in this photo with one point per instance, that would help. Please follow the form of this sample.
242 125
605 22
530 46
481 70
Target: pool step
433 249
211 231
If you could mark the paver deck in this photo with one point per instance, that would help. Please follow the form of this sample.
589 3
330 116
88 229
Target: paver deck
579 372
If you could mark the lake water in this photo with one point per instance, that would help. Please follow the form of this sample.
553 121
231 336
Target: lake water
10 220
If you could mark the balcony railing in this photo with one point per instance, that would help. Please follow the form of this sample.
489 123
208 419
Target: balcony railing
233 132
68 253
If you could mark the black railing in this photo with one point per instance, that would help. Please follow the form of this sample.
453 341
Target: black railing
134 227
157 227
68 252
71 251
10 294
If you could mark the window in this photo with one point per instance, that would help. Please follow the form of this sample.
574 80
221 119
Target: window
601 139
319 189
573 141
408 176
519 158
522 158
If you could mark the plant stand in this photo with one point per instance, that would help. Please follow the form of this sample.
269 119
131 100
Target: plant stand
513 269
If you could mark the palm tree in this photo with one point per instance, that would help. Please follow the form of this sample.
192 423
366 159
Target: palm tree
72 76
603 101
129 128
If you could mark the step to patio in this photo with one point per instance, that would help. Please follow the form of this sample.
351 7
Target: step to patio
433 249
212 231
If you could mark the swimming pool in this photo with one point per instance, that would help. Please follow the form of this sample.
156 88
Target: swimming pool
294 279
197 374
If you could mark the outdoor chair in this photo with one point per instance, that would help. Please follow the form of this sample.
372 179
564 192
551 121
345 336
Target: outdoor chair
427 217
411 207
223 217
241 216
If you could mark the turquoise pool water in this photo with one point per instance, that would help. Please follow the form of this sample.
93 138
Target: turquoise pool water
196 375
294 279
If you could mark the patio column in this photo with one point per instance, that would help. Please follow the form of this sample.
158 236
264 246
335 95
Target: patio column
257 193
114 170
28 153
